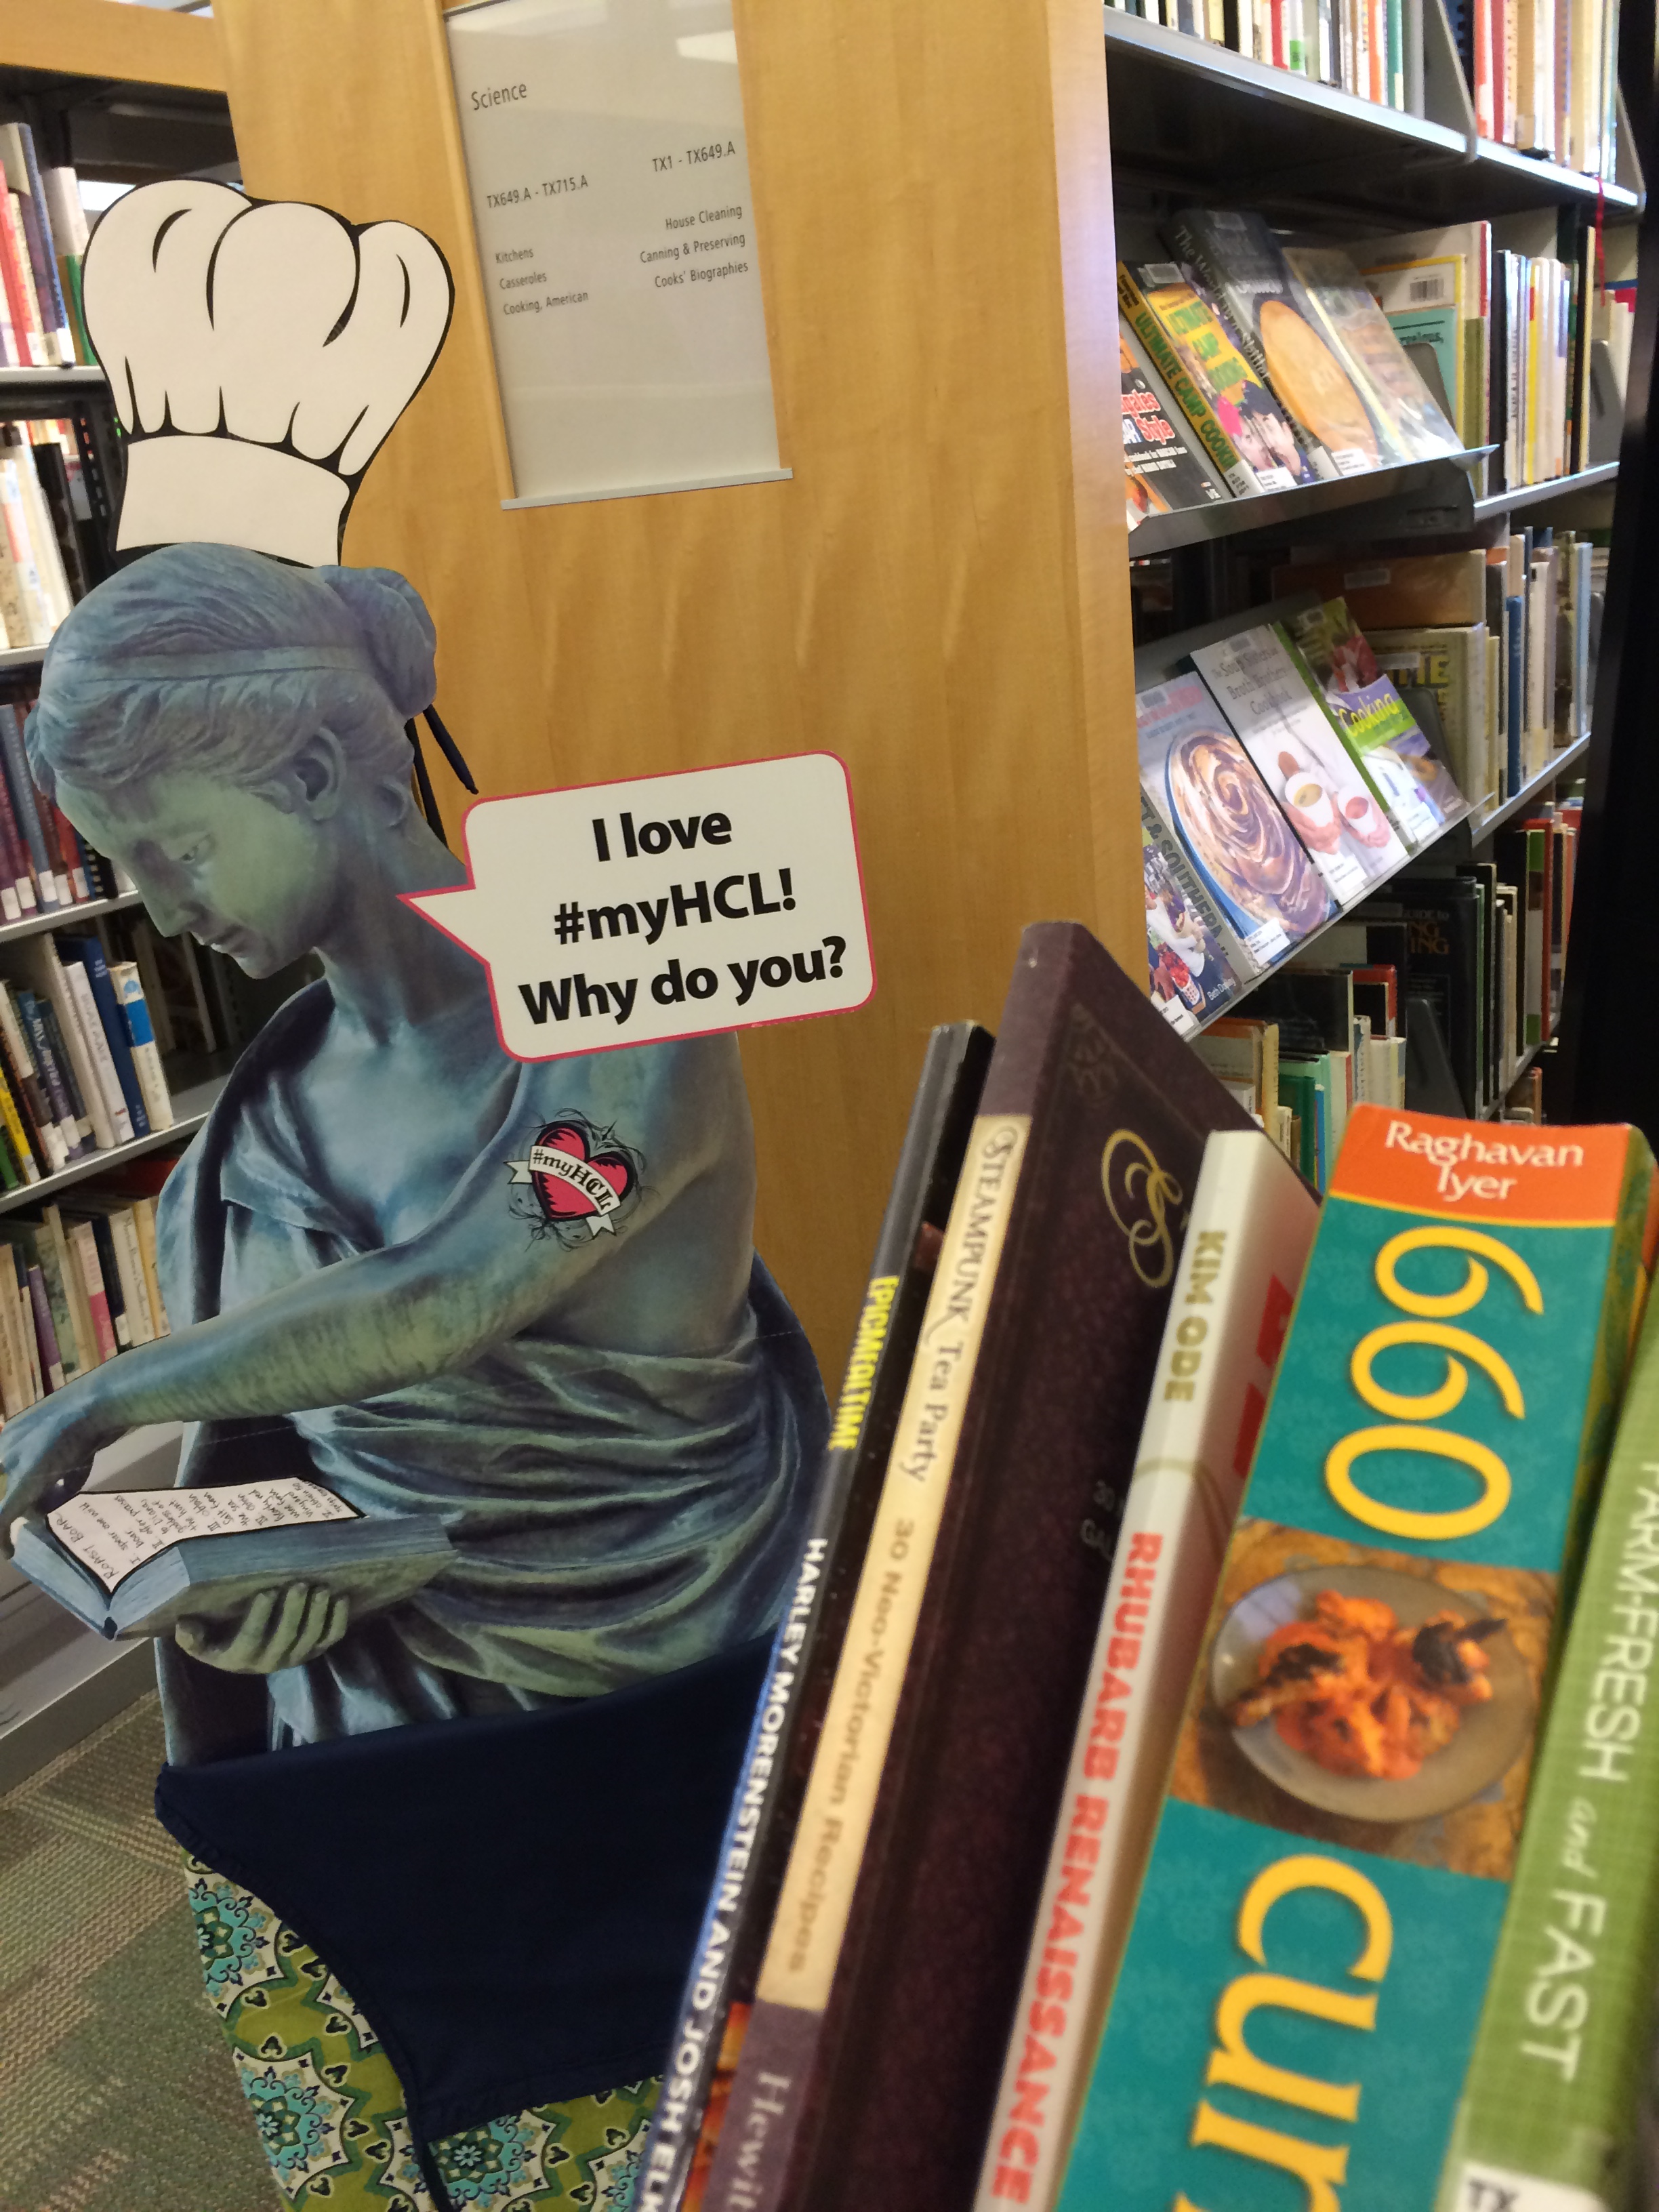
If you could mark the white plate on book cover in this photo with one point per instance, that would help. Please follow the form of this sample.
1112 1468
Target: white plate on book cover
1490 1738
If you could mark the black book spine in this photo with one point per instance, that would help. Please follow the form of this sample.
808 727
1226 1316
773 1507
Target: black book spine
46 1043
766 1805
53 478
103 1236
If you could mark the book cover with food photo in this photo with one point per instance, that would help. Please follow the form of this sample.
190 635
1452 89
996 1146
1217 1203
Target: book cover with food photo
1205 789
1410 421
1330 802
1228 384
1374 722
1304 1975
1239 265
1165 467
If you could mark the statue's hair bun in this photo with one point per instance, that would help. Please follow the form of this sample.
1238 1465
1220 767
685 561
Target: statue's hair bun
397 630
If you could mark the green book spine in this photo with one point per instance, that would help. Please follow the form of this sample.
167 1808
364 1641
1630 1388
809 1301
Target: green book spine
1548 2117
1187 395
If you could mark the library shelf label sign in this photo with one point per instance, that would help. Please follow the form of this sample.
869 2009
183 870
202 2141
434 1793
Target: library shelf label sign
609 179
669 905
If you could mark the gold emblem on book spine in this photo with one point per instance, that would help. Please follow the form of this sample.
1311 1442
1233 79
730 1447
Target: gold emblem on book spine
1138 1196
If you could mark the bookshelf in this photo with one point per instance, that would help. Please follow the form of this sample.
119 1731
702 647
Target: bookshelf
1458 842
1510 502
1441 487
132 92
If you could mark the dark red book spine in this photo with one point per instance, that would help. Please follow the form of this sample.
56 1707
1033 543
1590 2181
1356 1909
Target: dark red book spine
884 2097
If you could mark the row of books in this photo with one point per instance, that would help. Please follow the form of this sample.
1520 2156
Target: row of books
78 1284
80 1070
1371 48
46 865
48 558
1251 364
43 237
1516 325
1300 1088
1542 74
1504 638
1112 1832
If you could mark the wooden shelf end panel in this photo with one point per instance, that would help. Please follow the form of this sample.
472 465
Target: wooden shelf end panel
105 39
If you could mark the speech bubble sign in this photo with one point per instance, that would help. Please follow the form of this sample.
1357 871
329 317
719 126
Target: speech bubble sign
669 905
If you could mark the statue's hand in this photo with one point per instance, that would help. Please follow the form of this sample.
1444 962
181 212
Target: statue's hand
56 1437
279 1628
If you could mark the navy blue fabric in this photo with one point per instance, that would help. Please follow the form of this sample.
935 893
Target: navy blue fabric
511 1901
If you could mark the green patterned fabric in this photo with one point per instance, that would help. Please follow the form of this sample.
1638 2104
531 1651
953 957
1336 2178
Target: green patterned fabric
330 2112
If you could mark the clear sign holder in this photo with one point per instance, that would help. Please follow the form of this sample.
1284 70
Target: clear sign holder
609 179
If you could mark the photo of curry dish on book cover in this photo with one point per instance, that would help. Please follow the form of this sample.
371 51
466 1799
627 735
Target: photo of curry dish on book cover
1369 1698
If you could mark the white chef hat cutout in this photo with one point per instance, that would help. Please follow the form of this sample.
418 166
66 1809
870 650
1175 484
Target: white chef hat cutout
258 353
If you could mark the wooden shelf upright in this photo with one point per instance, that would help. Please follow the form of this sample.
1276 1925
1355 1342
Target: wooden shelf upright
939 597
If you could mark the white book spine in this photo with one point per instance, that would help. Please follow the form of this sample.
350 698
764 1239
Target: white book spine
130 1266
144 1221
20 1378
48 972
1253 1222
31 1341
36 608
53 579
103 1062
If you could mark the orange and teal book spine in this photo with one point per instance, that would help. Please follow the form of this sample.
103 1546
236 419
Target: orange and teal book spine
1304 1975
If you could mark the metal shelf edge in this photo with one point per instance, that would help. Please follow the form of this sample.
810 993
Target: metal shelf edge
1266 510
1492 1112
1505 502
78 379
49 1186
1551 771
65 917
1182 50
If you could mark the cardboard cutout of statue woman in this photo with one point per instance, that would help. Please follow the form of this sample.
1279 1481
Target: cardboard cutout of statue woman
615 1428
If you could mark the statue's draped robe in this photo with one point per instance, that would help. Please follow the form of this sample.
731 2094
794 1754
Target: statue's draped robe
615 1515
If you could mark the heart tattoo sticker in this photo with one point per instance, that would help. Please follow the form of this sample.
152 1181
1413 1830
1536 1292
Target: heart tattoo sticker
577 1175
